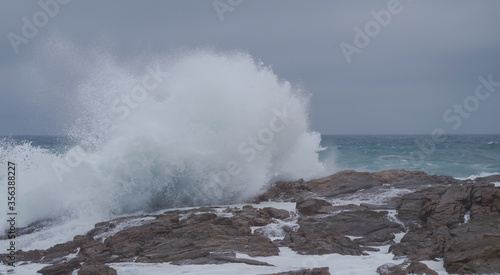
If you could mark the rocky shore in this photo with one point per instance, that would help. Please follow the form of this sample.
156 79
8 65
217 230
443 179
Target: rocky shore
348 213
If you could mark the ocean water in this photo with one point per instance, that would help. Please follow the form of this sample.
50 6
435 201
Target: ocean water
211 129
194 129
459 156
98 189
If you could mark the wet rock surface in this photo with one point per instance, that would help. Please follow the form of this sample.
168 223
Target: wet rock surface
314 271
349 213
403 269
459 223
327 234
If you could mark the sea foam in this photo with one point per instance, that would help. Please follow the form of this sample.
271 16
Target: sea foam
217 128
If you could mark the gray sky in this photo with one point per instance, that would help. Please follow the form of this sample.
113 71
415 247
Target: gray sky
425 59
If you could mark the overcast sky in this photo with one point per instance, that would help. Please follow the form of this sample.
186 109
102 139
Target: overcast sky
415 67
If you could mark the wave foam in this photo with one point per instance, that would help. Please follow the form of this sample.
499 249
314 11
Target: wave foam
217 128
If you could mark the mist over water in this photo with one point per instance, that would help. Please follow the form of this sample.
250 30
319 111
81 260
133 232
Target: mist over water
200 128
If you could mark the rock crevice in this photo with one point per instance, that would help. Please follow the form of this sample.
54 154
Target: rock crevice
349 213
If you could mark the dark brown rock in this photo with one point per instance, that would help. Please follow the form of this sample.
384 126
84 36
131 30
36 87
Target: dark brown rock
314 271
276 213
420 269
413 268
323 235
485 202
487 180
439 229
422 244
198 238
287 191
433 213
313 207
474 247
61 268
415 208
391 269
411 179
451 206
191 238
96 269
344 182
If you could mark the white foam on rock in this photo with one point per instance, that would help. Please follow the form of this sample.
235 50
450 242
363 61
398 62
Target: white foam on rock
481 175
379 197
467 217
22 268
59 232
275 230
121 226
287 260
436 265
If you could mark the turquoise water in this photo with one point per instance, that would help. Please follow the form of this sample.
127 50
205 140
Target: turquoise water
459 156
56 180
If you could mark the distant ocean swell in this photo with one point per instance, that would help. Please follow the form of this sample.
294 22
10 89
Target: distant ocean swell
202 128
218 128
460 156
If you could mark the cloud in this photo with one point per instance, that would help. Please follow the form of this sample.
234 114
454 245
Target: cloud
426 59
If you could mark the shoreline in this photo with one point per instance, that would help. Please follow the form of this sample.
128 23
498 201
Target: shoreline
386 216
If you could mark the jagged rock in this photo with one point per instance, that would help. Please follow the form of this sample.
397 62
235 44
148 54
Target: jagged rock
276 213
391 269
95 250
422 244
219 258
96 269
343 183
420 269
471 247
432 208
487 180
201 238
373 228
348 182
414 209
314 271
335 209
451 206
287 191
322 235
485 202
478 267
250 216
411 179
29 256
319 243
474 247
61 268
313 207
53 255
378 206
414 268
191 238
